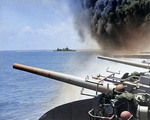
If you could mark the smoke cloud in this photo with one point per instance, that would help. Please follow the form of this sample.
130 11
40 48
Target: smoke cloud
122 25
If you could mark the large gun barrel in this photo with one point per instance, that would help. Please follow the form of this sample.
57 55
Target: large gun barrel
125 62
65 78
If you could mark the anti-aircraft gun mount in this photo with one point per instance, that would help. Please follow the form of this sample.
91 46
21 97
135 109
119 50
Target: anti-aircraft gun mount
105 106
135 84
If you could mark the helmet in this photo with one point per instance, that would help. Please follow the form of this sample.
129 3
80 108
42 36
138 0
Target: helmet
125 115
119 88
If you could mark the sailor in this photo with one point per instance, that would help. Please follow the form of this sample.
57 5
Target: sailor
119 89
117 101
126 100
133 77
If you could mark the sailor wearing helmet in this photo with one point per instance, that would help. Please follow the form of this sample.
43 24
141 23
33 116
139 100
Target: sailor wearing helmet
126 101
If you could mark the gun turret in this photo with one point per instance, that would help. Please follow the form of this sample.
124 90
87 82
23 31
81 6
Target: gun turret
101 107
66 78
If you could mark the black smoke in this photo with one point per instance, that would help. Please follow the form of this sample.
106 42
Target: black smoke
116 24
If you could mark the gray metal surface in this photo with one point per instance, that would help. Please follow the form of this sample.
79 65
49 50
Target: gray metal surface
72 111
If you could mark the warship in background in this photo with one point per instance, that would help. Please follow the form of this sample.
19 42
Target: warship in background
64 50
125 98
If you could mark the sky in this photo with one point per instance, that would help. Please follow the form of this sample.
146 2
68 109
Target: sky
39 25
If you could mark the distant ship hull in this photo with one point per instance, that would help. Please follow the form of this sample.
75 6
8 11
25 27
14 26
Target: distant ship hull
64 50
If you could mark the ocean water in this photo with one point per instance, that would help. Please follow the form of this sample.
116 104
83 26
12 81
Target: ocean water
25 96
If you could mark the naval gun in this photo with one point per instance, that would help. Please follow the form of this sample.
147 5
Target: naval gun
111 102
